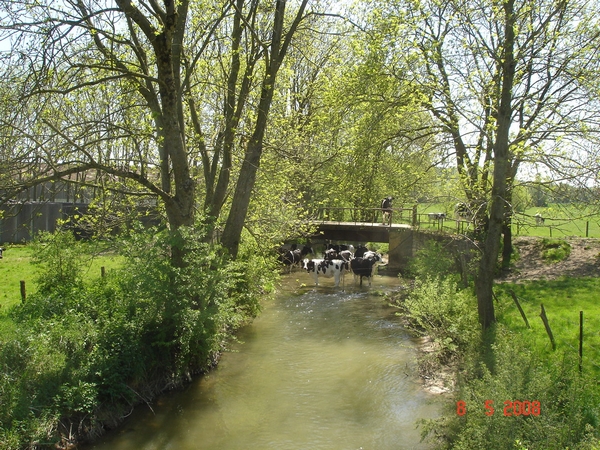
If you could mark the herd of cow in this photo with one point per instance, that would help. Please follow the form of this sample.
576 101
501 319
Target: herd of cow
336 262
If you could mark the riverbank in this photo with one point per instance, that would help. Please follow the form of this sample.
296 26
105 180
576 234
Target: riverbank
512 364
81 353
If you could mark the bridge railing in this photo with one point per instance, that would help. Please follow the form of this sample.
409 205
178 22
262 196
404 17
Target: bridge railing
363 215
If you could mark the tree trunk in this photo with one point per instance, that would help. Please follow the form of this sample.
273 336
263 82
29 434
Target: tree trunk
243 191
507 247
485 277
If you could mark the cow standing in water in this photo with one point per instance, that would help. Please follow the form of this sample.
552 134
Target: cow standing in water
386 210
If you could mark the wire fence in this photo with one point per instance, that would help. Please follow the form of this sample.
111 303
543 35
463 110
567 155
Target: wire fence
522 225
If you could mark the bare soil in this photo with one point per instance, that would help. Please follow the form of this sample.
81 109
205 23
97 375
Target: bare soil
584 260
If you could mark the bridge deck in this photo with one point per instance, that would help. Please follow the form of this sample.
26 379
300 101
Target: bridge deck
356 231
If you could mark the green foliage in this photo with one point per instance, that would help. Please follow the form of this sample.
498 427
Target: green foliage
432 260
83 347
555 250
59 257
448 316
569 414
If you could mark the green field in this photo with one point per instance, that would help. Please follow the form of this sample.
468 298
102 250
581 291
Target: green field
16 265
563 300
559 220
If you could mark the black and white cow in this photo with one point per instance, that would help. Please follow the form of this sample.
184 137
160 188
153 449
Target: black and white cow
436 216
1 251
539 220
335 269
364 266
339 251
386 210
291 258
360 251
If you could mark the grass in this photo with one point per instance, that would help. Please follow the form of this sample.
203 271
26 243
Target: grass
560 220
562 300
16 265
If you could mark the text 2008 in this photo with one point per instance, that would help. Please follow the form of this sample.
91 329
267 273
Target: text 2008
511 408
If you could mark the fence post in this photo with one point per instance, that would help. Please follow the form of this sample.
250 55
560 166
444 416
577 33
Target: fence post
23 292
102 271
415 217
514 296
547 325
580 340
587 228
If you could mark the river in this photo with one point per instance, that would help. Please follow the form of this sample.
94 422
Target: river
320 368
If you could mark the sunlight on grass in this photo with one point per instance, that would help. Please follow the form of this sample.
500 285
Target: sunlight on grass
17 265
562 300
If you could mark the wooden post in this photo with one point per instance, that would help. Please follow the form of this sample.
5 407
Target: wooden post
415 217
580 341
587 228
514 296
547 325
23 292
102 271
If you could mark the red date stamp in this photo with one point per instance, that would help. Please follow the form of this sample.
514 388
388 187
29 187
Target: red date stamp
511 408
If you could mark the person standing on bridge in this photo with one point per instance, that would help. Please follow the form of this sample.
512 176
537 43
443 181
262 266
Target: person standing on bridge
386 210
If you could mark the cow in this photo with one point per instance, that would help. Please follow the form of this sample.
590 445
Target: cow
362 267
436 216
291 258
1 251
365 266
326 268
339 251
360 251
539 220
386 210
346 255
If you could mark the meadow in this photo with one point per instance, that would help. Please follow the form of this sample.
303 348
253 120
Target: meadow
560 220
18 265
563 299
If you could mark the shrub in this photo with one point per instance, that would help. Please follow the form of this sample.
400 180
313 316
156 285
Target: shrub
438 309
569 411
433 260
555 250
83 348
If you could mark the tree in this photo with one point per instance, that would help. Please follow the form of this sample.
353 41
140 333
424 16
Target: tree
274 56
153 65
504 82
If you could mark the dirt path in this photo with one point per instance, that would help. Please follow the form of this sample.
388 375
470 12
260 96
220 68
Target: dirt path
584 260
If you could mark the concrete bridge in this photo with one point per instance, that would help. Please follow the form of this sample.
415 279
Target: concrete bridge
405 235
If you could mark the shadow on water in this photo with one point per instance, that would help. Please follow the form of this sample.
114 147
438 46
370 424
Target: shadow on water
320 368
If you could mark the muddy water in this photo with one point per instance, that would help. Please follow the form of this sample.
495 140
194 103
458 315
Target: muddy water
321 368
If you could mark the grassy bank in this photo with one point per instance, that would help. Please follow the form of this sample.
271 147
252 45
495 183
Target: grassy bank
512 390
84 349
17 264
